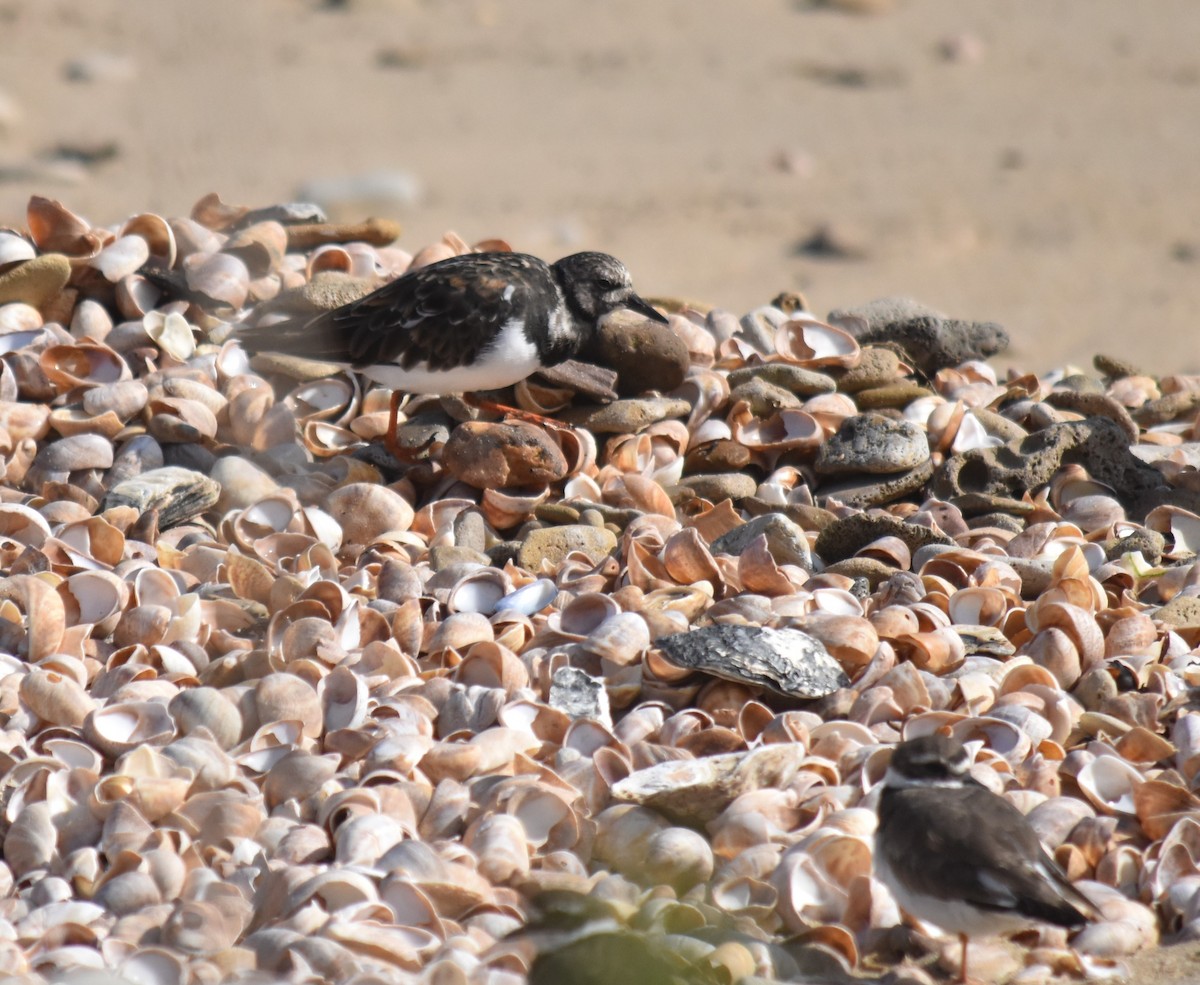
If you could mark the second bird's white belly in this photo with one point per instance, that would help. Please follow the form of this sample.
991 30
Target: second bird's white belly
512 358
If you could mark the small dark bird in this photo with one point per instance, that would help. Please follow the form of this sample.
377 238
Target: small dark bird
957 855
480 321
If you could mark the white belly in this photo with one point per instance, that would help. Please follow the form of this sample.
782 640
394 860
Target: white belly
951 915
511 359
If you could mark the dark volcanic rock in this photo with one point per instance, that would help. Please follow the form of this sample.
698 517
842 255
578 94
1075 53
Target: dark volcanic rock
1098 444
929 339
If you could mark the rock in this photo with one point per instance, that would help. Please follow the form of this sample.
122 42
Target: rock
1181 611
580 695
36 282
930 340
1095 405
880 313
552 544
875 572
997 425
899 395
787 661
724 485
366 511
1165 409
242 483
794 379
724 455
847 536
497 456
423 435
1150 543
447 555
863 491
470 530
626 416
785 540
764 398
1098 444
593 382
645 354
178 494
877 367
873 444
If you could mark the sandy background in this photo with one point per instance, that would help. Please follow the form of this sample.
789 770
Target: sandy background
1034 163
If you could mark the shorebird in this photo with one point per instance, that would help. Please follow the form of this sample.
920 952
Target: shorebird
474 322
958 856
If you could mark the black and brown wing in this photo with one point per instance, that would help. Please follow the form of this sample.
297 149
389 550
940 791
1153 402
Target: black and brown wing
969 844
439 316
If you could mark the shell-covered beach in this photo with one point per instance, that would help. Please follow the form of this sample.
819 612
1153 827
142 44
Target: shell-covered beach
277 704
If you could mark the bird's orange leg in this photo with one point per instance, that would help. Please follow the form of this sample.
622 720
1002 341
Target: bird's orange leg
389 438
962 970
505 411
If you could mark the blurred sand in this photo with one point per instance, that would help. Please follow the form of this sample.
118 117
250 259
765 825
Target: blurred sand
1045 180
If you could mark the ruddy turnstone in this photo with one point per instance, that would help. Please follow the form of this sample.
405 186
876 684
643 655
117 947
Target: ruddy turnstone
957 855
474 322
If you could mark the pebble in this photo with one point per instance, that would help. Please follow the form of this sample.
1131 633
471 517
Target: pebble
423 436
877 367
1095 404
242 483
893 395
645 354
626 416
177 494
487 455
785 540
724 455
552 544
873 444
847 536
449 555
795 379
872 569
764 398
1181 611
861 491
36 282
1150 543
470 530
720 486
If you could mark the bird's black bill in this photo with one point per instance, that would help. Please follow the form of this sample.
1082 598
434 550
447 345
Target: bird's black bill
634 303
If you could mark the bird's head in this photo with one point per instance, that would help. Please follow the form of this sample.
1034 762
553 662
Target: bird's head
928 761
595 284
